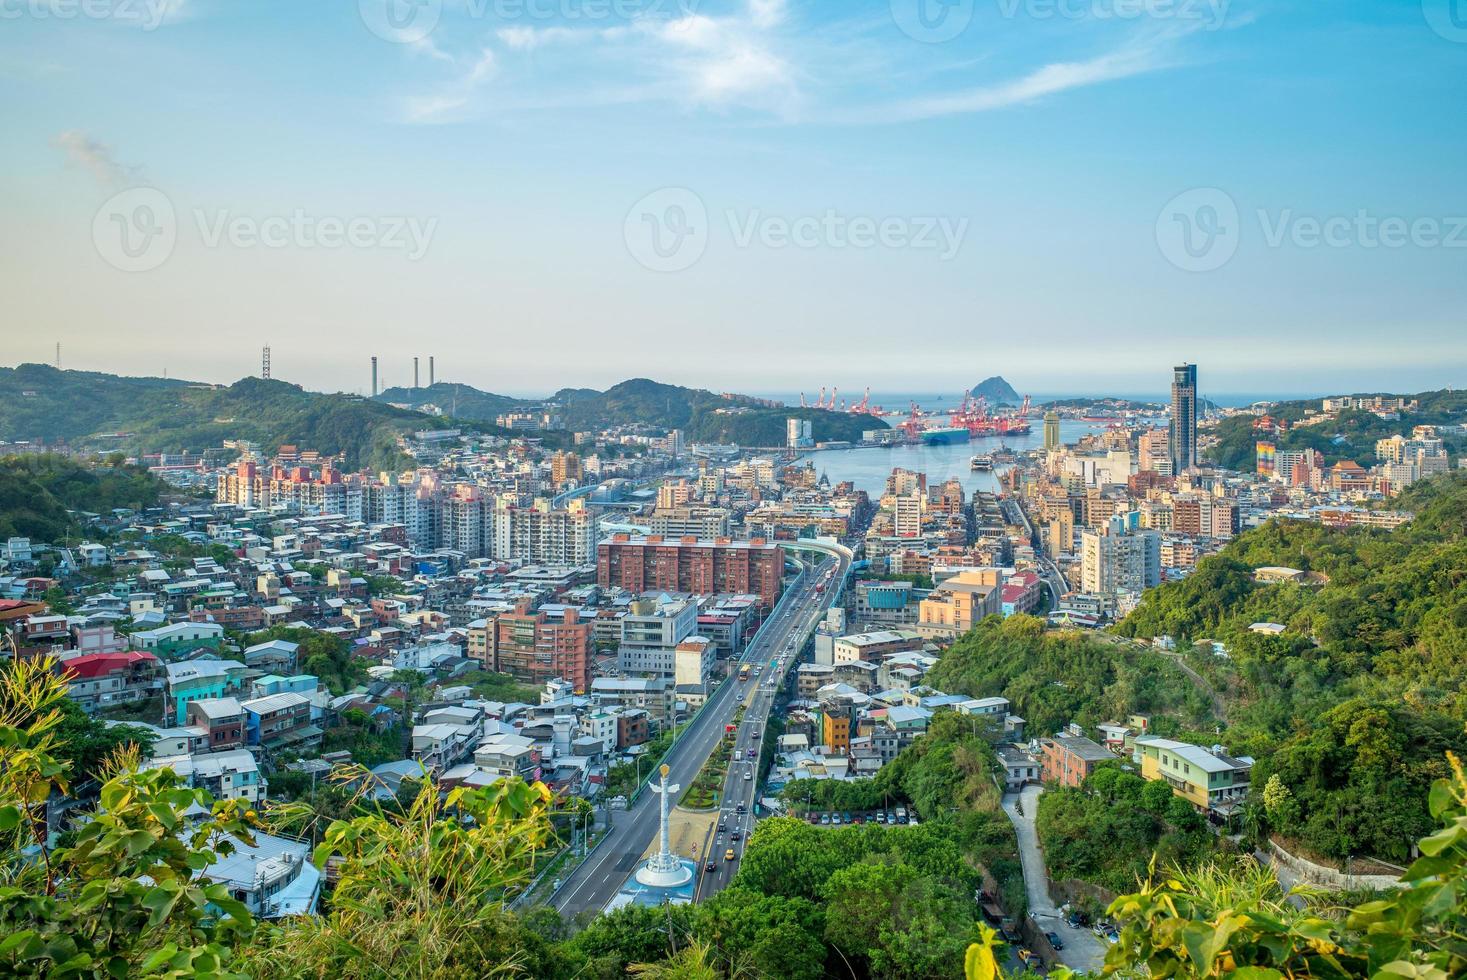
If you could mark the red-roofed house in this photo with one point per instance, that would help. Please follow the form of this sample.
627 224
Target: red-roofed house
104 680
1021 592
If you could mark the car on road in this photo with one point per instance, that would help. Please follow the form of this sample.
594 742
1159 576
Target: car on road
1055 940
734 835
728 855
881 816
748 776
751 752
825 819
711 866
835 819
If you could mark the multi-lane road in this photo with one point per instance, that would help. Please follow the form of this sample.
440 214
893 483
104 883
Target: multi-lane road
741 787
1014 512
596 880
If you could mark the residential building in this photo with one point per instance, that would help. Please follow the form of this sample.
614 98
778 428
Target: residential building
961 601
650 633
231 775
1068 758
107 680
1209 779
536 648
701 566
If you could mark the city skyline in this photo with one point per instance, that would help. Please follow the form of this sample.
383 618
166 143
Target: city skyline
715 183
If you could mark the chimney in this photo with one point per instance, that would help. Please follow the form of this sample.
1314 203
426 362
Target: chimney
415 372
430 370
374 377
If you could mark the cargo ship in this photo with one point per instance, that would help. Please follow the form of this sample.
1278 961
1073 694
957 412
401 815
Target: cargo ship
981 464
945 436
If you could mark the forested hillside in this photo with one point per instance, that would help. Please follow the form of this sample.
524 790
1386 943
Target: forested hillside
1351 436
1055 678
37 491
106 412
703 415
1353 705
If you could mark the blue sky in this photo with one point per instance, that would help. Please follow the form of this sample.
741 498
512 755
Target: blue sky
1075 194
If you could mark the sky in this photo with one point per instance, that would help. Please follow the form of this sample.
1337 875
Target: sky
752 195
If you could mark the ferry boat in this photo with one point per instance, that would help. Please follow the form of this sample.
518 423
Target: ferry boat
981 463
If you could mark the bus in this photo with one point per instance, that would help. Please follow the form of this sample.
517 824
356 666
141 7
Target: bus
744 672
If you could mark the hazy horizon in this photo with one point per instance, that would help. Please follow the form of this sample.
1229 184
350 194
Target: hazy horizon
752 194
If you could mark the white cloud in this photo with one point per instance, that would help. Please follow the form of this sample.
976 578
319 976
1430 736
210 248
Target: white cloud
767 13
1141 56
432 108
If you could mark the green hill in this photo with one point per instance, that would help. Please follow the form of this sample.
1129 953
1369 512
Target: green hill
1354 703
37 491
459 400
1351 436
106 413
704 416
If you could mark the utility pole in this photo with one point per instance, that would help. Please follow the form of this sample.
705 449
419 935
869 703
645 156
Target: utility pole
265 362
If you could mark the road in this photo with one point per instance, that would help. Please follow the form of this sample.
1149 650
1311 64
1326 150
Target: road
1083 949
595 881
741 786
1047 570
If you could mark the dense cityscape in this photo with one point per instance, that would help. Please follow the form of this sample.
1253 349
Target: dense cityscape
733 490
698 652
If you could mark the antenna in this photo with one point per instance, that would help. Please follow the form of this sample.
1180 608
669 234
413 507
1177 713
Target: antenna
265 362
58 355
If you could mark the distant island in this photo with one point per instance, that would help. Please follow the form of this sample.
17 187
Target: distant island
996 391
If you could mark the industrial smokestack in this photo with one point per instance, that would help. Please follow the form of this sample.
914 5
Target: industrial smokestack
415 372
374 377
430 370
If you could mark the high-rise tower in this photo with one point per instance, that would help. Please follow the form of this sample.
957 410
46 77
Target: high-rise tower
1182 437
1051 431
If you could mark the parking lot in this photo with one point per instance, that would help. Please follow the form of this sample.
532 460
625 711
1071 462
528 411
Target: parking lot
842 818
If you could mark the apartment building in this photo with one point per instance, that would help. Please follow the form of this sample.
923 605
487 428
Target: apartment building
700 566
650 633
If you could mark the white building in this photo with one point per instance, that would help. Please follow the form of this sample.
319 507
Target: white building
650 633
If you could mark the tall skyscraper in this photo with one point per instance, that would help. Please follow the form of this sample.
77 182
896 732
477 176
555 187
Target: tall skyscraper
1182 439
1051 431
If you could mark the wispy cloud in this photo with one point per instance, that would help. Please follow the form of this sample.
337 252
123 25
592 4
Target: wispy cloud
762 57
1141 55
432 108
96 158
